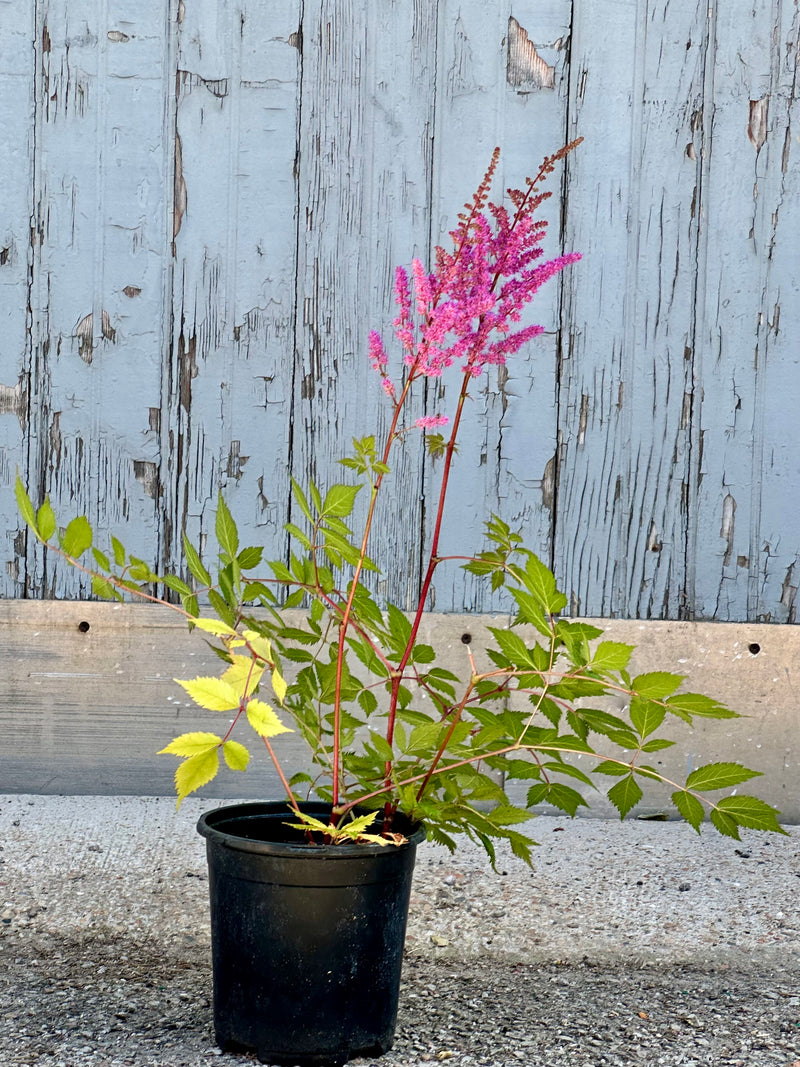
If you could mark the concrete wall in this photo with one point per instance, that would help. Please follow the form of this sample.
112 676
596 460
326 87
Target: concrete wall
88 699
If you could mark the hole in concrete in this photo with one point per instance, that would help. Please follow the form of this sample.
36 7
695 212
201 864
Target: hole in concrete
754 649
83 626
466 639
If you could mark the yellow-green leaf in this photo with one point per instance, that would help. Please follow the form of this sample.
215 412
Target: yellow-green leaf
260 645
77 537
196 772
236 756
24 505
211 693
243 671
264 720
191 744
214 626
46 520
279 685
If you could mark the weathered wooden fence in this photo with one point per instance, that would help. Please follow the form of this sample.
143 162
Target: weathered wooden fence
202 204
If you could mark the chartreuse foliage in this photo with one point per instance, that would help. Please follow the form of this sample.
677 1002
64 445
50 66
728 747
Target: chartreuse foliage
554 690
388 728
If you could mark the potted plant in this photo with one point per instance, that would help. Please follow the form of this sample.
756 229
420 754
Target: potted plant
309 893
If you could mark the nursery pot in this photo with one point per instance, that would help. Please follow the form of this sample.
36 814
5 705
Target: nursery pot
306 940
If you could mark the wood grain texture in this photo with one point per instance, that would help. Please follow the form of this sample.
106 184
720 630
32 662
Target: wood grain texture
745 530
202 208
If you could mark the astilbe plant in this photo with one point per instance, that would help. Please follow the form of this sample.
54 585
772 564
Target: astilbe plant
389 730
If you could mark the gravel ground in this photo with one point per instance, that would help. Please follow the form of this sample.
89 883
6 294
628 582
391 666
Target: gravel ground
633 943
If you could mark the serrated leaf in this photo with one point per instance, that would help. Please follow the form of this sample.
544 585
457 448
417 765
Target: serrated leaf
243 671
611 656
300 497
381 746
101 559
103 588
77 537
625 795
751 812
225 528
194 563
211 693
540 581
719 776
119 551
725 824
339 500
250 557
279 686
368 703
615 770
689 808
194 772
46 521
264 720
646 715
657 745
698 704
191 744
236 756
657 685
177 585
24 504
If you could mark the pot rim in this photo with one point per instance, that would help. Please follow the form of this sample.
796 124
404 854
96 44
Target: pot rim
214 826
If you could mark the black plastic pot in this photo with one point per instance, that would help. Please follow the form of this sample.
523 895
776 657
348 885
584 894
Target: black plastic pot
306 940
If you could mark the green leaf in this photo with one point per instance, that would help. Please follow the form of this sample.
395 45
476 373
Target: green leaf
541 583
611 656
625 795
689 808
646 715
46 520
236 756
368 701
300 497
719 776
177 585
298 535
657 744
725 824
119 551
340 499
615 770
250 557
103 588
77 537
512 646
751 812
24 505
697 704
657 684
101 559
194 563
381 746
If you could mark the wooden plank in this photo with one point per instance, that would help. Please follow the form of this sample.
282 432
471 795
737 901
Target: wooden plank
16 121
744 538
364 157
85 710
491 92
97 272
626 390
233 304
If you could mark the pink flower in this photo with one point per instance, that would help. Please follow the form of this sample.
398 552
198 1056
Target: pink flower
430 422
